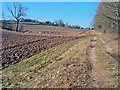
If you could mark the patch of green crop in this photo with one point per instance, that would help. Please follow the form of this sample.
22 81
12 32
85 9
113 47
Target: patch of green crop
108 66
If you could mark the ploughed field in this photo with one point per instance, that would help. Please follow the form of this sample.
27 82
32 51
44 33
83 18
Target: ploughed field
54 31
16 46
60 32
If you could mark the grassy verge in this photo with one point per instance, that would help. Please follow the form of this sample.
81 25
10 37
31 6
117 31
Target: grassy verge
20 73
112 42
32 33
108 66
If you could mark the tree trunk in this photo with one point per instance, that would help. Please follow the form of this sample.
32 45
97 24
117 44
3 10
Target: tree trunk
17 26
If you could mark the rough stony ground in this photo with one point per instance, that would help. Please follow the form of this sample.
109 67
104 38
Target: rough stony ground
104 66
79 67
96 73
107 65
70 70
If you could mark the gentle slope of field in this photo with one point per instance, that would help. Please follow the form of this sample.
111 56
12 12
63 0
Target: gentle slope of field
67 65
30 67
30 25
18 46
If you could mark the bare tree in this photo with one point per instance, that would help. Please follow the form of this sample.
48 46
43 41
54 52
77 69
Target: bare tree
17 11
60 23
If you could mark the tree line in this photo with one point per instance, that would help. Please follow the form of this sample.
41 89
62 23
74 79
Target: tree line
18 12
108 17
59 23
6 24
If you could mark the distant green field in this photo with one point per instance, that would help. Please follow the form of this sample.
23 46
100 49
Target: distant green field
32 25
44 27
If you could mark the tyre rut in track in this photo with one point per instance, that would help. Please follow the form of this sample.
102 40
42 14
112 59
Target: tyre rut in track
110 52
96 72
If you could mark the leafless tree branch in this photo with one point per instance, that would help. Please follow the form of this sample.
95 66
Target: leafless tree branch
17 12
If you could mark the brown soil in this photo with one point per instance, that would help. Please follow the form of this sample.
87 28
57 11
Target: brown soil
71 70
96 72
